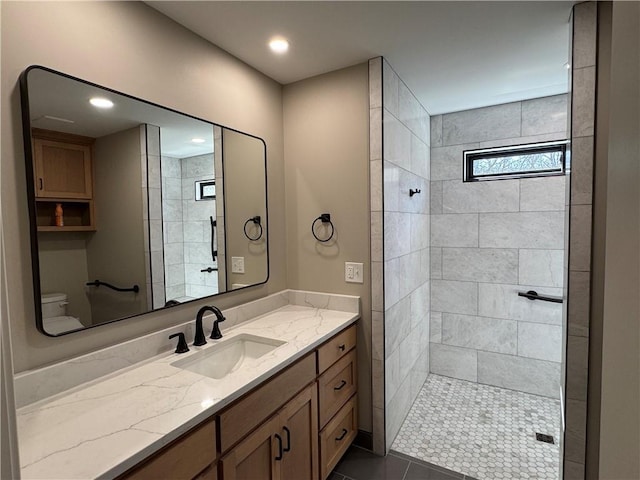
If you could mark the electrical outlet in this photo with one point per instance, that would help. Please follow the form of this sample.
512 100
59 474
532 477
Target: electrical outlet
237 264
353 272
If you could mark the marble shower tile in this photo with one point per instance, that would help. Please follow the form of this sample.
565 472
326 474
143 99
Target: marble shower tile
545 137
524 374
436 130
420 157
544 115
480 333
435 196
390 85
541 267
583 108
391 186
579 303
454 362
488 123
412 114
582 170
446 161
522 230
393 278
375 134
436 263
375 82
502 301
435 327
397 325
474 197
576 431
541 341
376 185
480 264
459 230
454 297
378 297
577 367
580 248
584 35
542 194
420 226
420 299
376 237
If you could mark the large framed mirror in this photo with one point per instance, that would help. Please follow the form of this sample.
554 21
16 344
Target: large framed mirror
134 207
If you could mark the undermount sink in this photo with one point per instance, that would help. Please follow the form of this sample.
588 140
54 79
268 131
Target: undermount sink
228 356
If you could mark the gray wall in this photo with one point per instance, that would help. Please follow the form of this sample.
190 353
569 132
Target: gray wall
148 56
490 240
326 149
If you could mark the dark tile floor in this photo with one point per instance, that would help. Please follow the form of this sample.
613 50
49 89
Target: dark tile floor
360 464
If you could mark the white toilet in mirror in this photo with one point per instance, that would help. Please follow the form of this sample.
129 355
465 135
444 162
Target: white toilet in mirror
54 314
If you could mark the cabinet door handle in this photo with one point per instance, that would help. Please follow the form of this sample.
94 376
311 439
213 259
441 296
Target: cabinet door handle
341 347
288 447
342 435
41 184
279 456
342 384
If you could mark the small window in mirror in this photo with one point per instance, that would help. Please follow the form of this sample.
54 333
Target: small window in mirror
205 190
531 160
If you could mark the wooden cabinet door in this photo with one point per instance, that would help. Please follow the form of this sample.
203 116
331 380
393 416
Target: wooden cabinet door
300 436
62 170
257 457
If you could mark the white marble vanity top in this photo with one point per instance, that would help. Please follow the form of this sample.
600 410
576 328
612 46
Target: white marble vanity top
102 428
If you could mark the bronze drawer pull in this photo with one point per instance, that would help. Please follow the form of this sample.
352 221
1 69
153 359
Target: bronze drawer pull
341 347
279 456
288 447
344 433
339 387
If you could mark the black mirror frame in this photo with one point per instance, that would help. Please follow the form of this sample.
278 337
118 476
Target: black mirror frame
31 197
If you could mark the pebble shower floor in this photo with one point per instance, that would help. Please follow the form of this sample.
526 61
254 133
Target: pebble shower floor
482 431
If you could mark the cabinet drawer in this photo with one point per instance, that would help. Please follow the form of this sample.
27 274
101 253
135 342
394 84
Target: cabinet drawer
251 410
185 458
336 348
336 437
336 385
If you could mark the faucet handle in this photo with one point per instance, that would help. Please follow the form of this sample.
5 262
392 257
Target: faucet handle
215 333
182 343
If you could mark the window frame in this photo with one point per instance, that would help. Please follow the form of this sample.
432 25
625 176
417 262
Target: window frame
469 156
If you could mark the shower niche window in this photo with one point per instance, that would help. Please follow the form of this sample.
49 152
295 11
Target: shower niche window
530 160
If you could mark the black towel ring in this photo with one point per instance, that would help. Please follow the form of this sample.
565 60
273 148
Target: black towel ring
324 218
256 221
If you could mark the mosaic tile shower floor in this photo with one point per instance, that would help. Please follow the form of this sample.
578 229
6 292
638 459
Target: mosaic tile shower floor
482 431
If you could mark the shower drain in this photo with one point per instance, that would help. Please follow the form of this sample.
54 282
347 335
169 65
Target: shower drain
541 437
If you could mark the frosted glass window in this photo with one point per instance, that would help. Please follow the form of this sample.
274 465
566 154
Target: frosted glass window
532 160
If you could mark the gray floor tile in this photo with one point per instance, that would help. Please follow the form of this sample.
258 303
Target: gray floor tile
425 464
360 464
420 472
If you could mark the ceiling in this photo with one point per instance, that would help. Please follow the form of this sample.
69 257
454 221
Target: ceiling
452 55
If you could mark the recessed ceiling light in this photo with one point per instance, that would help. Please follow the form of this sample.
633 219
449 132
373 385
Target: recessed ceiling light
100 102
198 140
279 45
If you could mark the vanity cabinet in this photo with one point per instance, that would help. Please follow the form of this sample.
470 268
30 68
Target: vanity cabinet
284 447
294 426
63 173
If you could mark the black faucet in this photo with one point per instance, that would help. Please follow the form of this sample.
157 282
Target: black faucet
199 339
215 333
182 343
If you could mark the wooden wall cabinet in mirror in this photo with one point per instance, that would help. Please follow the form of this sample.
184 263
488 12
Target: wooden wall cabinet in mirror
63 174
133 170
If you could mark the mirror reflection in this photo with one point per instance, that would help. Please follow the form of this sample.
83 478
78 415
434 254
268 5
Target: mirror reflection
135 207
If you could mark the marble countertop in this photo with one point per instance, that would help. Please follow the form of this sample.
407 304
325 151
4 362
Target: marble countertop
103 428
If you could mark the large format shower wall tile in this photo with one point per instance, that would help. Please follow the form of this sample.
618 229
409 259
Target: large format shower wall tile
541 267
490 123
522 230
454 297
454 230
459 197
489 334
480 265
537 340
502 301
453 362
542 194
524 374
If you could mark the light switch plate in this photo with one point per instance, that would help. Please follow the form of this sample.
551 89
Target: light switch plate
353 272
237 264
